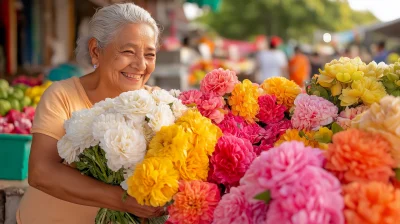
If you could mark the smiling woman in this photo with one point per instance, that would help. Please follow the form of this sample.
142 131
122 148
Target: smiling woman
122 49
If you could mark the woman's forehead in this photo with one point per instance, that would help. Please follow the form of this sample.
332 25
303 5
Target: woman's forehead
136 35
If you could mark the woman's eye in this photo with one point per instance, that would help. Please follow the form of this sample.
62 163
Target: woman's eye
129 52
150 55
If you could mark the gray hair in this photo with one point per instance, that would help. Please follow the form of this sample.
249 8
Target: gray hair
107 21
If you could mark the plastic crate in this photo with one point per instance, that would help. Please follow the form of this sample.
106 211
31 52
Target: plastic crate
14 156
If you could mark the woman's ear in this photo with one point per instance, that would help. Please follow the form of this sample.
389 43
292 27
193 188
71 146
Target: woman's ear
94 51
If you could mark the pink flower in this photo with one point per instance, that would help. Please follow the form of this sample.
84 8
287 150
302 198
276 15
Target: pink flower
194 203
190 97
234 208
345 117
281 165
232 124
279 128
265 145
270 111
312 112
219 81
254 133
313 198
211 106
231 159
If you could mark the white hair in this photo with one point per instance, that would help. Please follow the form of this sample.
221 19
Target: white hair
107 21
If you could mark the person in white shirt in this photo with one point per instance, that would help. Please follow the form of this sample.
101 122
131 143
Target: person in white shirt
271 62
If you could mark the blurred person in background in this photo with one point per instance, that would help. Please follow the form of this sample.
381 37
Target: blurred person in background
316 63
299 67
188 54
271 62
382 54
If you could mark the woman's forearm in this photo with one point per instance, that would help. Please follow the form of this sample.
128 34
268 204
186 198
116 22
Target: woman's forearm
67 183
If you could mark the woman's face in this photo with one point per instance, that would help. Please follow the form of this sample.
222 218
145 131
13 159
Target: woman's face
128 61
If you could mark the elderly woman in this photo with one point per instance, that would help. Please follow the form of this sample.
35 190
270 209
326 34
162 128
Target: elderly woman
122 49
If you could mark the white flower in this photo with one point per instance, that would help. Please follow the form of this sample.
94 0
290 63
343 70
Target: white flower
127 173
124 147
162 96
79 128
175 92
107 105
67 151
134 104
178 108
104 122
160 116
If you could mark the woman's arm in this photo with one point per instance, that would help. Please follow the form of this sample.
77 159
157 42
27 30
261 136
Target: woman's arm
48 174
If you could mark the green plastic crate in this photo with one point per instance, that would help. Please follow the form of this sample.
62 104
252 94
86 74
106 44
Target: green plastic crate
14 156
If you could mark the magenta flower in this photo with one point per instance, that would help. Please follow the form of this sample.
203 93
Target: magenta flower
270 111
219 82
211 106
232 124
312 112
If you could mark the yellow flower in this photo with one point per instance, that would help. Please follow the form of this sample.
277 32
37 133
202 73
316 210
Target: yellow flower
244 101
195 167
170 142
336 89
154 182
285 90
368 90
204 134
373 69
323 135
294 135
344 70
383 118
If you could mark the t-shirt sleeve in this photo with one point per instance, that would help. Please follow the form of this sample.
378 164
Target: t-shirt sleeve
51 112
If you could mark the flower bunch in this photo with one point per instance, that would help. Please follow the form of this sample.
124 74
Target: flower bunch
391 79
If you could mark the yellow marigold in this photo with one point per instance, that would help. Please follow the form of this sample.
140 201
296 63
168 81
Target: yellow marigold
367 90
244 101
195 167
285 90
294 135
204 134
154 182
344 70
170 142
383 118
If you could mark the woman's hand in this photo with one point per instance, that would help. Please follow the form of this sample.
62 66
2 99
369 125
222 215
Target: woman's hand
144 211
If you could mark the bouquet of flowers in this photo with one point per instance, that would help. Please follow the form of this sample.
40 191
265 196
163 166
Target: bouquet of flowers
107 141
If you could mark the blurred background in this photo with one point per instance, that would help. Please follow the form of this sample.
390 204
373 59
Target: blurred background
256 38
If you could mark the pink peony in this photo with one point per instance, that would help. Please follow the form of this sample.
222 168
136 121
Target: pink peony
281 165
190 97
265 145
312 112
234 208
232 124
254 133
270 111
313 198
231 159
219 81
279 128
211 106
194 203
345 117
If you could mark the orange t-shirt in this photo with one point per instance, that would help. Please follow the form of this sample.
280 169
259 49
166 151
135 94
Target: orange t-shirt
56 105
299 67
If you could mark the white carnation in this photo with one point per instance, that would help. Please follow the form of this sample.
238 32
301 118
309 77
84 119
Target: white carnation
134 104
67 151
175 92
79 128
124 147
160 116
104 122
162 96
107 105
178 108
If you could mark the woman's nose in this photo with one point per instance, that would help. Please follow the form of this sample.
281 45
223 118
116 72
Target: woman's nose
139 63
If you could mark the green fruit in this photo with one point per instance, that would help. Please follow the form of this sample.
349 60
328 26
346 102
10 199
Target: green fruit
3 94
22 87
4 84
10 90
18 94
26 101
5 106
15 104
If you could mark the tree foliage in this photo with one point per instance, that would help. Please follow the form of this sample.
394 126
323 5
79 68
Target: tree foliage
243 19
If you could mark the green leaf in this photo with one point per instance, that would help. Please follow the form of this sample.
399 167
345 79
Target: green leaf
336 128
264 196
125 196
397 171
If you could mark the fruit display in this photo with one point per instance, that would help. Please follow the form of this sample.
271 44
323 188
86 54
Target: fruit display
28 81
17 106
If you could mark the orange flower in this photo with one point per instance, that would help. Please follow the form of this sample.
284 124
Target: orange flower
371 203
244 101
285 90
356 155
194 203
